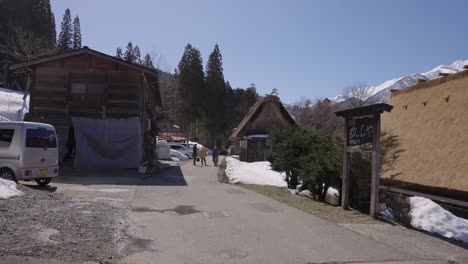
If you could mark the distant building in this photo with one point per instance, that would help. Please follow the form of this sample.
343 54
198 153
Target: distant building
431 121
102 107
250 139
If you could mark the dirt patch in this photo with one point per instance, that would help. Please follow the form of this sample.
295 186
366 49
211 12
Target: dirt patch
47 225
222 177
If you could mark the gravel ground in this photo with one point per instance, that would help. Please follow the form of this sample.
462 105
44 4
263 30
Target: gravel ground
46 225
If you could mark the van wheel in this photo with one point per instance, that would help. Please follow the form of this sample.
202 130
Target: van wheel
7 174
43 181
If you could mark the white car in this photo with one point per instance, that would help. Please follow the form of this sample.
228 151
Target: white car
182 149
28 151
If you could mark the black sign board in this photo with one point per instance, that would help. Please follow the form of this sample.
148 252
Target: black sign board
360 131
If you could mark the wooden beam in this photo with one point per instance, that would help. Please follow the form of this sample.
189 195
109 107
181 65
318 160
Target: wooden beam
374 203
428 196
346 162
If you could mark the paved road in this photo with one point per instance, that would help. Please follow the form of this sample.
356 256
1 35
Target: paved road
185 216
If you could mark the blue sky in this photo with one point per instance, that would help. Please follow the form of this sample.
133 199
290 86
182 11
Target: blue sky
303 48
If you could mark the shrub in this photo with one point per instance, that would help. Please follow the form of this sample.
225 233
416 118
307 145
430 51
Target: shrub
321 167
287 147
305 156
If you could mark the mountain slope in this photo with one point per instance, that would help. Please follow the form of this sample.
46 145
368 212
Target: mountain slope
381 93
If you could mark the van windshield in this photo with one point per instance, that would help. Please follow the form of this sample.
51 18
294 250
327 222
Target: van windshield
40 138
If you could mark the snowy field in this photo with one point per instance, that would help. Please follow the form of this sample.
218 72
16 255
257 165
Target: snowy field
8 189
253 173
431 217
12 106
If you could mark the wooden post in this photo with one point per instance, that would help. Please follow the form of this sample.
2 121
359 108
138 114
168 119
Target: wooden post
346 159
374 206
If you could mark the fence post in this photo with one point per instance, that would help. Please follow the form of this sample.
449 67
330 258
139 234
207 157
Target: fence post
374 206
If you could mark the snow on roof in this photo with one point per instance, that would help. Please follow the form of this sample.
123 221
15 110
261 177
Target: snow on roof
258 136
12 106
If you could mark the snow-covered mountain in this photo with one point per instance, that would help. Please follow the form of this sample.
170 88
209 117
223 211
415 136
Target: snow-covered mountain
381 93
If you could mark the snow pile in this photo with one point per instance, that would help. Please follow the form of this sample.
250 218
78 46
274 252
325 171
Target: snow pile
178 155
253 173
8 189
12 106
431 217
306 193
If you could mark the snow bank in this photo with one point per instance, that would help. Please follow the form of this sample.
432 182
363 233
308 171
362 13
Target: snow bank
8 189
253 173
429 216
178 155
12 106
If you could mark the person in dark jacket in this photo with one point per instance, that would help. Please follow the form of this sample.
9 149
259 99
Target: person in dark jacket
215 156
195 150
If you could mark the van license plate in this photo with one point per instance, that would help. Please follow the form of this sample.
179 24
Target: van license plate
42 172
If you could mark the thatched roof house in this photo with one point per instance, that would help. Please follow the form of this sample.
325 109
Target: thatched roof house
250 138
431 121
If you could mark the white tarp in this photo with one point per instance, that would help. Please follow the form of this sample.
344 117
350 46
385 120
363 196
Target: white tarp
108 143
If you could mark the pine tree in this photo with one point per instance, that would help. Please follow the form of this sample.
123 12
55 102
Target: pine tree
215 95
190 87
53 32
118 53
137 55
129 53
76 33
64 41
148 62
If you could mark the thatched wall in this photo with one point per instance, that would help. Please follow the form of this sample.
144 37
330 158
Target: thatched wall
431 121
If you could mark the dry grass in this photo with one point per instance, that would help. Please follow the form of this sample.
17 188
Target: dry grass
322 210
431 121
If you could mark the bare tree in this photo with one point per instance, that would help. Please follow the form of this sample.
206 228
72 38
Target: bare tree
318 116
159 61
23 45
357 95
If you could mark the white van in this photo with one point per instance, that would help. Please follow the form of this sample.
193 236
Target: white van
28 151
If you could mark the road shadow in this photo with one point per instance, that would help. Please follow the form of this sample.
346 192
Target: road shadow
169 174
40 188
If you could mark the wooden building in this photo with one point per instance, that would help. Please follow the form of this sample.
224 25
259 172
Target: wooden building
250 138
430 120
102 107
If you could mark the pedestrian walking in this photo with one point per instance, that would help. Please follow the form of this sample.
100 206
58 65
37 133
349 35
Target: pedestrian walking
215 156
203 156
195 152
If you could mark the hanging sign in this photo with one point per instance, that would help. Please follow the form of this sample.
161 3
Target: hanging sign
360 131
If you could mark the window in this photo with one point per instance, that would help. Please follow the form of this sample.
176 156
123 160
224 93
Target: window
88 87
6 136
92 92
40 138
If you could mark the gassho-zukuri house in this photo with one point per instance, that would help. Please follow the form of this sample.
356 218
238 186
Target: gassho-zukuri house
101 107
250 138
430 120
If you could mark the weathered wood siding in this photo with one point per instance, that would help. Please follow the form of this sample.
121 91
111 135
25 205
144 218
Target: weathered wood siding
50 92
